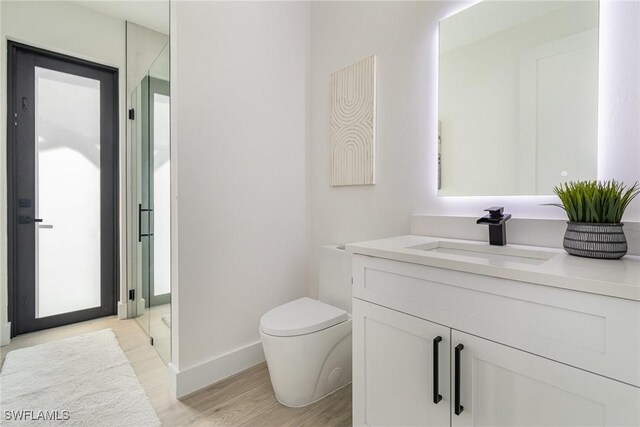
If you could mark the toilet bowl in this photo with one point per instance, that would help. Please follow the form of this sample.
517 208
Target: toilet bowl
307 342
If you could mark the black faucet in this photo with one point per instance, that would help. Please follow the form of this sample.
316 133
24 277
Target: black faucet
497 225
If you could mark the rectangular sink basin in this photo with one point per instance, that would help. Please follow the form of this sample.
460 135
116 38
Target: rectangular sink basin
492 254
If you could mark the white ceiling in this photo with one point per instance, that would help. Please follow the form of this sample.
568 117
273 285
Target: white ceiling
153 14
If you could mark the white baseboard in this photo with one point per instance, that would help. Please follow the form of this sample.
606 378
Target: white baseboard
122 310
5 333
185 382
172 372
140 308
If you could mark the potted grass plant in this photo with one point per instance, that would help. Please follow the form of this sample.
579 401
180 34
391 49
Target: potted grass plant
595 210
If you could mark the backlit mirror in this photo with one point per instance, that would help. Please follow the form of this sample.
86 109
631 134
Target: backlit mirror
518 97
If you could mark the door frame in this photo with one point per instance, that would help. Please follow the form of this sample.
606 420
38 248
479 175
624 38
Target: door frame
12 49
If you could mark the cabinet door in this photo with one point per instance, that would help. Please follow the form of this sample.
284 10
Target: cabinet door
394 365
502 386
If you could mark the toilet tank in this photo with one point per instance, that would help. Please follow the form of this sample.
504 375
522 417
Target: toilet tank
334 276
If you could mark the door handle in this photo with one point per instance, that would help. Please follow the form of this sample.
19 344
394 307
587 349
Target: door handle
41 226
139 222
436 395
26 219
140 233
458 408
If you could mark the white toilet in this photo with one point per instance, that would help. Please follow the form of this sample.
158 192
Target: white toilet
307 343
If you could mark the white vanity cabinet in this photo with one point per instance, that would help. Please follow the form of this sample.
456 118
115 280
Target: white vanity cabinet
402 368
503 386
528 355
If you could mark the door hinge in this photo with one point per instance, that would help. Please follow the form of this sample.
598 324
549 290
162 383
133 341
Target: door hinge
151 340
132 294
132 114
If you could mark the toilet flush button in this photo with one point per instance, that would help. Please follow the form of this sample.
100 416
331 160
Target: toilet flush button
334 377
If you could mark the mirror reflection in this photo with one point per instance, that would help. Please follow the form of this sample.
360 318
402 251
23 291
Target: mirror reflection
148 52
518 97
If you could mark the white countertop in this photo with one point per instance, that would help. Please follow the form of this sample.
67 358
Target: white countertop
615 278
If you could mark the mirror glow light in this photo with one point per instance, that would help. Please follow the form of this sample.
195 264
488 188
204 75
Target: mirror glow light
518 97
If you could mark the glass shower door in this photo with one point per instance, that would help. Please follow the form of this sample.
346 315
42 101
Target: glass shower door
139 142
151 103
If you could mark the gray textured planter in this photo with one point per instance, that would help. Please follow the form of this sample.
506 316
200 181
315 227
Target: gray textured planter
604 241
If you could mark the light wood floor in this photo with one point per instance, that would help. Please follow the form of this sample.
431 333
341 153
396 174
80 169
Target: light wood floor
243 400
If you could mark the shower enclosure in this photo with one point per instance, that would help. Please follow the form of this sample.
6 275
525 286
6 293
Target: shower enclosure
150 272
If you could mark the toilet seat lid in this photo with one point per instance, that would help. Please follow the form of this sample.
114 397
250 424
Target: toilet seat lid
300 317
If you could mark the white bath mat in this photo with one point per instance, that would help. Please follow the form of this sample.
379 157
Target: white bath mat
85 380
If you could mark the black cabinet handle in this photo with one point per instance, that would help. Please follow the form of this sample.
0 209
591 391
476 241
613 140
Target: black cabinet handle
436 395
458 408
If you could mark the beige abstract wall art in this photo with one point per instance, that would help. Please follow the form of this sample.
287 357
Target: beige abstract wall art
353 124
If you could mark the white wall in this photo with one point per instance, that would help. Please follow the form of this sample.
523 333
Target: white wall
403 35
239 76
62 27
